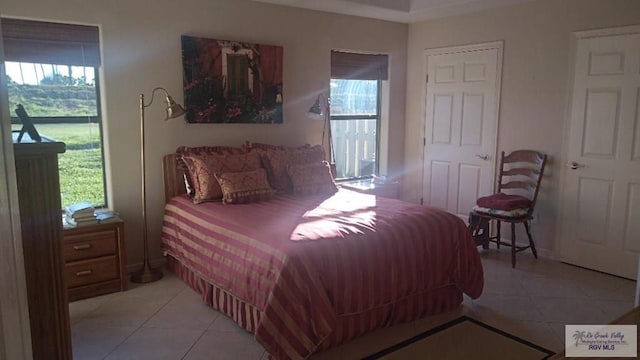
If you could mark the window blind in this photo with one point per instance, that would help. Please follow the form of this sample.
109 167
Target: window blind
50 43
355 66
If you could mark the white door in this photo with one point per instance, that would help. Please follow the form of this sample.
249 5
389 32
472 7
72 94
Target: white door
601 216
462 92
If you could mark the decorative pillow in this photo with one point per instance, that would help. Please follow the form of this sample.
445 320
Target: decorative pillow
502 201
244 187
248 146
199 150
311 179
277 161
221 150
203 167
515 213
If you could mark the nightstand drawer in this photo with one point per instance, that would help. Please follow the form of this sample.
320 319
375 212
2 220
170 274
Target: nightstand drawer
84 272
87 246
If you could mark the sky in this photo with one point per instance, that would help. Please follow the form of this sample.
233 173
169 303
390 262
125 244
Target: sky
32 73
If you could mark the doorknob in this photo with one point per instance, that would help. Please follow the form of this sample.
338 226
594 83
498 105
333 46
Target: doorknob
575 166
484 157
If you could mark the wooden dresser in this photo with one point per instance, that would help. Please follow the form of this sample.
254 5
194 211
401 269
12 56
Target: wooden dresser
41 226
94 259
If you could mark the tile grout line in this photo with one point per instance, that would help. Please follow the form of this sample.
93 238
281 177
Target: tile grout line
201 334
141 325
194 344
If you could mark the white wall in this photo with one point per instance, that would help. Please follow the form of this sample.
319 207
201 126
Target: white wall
141 50
534 81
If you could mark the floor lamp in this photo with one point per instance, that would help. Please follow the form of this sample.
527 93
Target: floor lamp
320 110
173 110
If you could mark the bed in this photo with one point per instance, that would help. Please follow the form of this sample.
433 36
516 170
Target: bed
307 273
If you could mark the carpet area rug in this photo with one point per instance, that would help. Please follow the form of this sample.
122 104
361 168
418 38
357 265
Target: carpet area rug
463 338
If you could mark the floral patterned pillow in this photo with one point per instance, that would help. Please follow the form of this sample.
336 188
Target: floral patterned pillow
244 187
199 150
312 179
276 162
203 167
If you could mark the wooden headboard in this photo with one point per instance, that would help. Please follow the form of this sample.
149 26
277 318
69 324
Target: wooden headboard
172 177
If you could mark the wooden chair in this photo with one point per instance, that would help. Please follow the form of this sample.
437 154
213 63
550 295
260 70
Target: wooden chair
520 174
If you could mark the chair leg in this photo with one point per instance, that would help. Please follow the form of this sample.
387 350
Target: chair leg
485 245
498 234
483 224
513 245
531 243
475 230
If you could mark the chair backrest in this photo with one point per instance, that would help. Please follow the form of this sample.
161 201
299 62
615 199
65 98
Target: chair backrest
522 171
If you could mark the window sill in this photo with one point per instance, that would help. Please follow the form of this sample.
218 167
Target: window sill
368 186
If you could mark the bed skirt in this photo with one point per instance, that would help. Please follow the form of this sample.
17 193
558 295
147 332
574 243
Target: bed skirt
348 327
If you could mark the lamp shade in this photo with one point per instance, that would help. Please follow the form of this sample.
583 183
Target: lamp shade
315 111
173 108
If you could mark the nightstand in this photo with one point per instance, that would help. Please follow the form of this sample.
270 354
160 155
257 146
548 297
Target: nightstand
388 190
94 259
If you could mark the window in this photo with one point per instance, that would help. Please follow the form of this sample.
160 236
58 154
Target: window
58 85
356 81
355 118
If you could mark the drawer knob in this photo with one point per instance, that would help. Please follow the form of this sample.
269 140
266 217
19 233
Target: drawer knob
84 272
82 247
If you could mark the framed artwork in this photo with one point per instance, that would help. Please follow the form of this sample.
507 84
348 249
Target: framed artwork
231 82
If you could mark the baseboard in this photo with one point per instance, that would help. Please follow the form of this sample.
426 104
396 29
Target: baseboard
155 263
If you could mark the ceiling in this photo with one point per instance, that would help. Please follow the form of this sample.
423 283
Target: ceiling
405 11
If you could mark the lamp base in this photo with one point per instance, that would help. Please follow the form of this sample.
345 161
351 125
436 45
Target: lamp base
146 275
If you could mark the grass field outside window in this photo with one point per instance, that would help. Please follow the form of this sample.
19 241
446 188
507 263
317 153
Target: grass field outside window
81 172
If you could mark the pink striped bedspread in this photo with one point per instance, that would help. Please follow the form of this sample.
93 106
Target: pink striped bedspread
305 261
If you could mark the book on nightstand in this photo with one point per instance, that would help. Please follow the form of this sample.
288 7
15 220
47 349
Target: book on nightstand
80 210
81 222
80 214
107 216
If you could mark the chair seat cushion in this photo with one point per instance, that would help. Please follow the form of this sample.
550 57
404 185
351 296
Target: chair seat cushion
515 213
502 201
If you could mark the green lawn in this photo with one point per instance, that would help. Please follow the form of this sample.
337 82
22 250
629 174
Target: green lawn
81 174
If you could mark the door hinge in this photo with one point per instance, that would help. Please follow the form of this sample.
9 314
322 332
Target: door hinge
421 201
427 78
424 141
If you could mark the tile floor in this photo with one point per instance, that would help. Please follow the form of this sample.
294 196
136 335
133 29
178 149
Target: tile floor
167 320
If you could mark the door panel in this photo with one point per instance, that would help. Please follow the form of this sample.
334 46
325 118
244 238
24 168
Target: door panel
461 126
468 188
472 112
601 200
633 219
594 209
601 122
636 125
440 179
442 118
